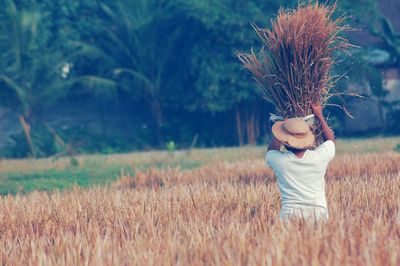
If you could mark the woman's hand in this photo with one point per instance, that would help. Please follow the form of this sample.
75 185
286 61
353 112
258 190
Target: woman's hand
317 109
327 133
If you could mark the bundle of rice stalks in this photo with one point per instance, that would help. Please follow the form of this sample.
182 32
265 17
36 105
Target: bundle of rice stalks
293 67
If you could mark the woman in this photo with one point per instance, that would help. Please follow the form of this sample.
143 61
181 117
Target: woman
300 170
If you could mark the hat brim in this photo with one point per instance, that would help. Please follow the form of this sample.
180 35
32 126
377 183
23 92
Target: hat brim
297 142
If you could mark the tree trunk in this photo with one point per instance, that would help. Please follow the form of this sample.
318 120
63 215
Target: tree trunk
159 119
239 127
257 123
27 131
250 124
381 115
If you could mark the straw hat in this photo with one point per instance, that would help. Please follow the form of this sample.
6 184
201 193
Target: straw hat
294 133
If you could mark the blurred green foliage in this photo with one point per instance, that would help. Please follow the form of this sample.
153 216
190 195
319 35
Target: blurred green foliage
170 63
19 182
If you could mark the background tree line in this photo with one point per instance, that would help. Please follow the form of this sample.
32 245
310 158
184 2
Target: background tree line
167 66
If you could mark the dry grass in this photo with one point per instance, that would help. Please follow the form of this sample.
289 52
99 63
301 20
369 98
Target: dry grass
203 156
255 171
224 213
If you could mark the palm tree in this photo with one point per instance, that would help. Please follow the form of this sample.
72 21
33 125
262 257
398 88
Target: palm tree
136 46
32 73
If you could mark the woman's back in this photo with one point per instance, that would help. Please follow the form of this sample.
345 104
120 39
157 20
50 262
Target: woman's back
301 180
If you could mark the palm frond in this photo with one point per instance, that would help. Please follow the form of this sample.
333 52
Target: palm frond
139 77
92 51
16 89
98 86
12 16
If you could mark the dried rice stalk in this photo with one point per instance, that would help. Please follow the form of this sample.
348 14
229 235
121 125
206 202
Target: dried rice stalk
293 68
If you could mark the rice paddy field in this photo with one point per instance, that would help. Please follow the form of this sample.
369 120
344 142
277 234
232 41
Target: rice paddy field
199 207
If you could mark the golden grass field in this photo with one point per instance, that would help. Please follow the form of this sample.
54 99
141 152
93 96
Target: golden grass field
224 212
